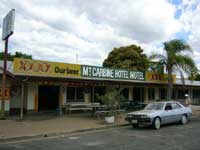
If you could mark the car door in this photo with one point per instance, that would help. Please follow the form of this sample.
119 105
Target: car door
167 114
177 110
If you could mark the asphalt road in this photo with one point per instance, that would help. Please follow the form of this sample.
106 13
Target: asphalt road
170 137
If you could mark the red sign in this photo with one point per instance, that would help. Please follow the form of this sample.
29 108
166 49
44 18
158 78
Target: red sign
7 94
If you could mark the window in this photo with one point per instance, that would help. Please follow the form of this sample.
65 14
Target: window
70 93
137 94
174 94
99 90
79 93
196 93
125 93
176 106
154 106
181 93
168 106
75 94
151 93
163 93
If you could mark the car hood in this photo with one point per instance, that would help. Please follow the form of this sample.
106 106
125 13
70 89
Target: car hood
143 112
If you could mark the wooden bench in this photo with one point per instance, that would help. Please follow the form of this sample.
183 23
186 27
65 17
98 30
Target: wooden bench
72 106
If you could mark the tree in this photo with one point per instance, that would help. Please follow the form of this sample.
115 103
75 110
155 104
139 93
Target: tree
176 58
157 66
17 54
195 77
129 57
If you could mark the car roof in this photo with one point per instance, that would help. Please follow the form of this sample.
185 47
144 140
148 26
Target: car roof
167 102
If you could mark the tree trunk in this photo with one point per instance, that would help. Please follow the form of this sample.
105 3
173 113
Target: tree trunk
169 94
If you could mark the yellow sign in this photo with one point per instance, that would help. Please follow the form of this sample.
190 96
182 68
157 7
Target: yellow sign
156 77
45 68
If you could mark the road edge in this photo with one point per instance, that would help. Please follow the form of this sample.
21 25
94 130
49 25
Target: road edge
28 137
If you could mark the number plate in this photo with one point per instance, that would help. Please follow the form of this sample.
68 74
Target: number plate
134 121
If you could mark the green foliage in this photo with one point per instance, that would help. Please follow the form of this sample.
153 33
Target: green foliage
156 67
195 77
17 54
176 58
111 99
129 57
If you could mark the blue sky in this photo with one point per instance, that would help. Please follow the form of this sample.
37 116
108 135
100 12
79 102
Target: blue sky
59 30
178 11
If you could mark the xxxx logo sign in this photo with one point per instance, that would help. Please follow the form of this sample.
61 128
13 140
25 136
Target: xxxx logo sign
26 65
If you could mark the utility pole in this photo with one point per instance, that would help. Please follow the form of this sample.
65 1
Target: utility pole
4 80
8 28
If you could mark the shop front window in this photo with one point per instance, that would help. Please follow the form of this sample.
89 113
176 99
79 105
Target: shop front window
125 93
71 94
79 93
99 91
138 94
151 93
181 93
163 93
196 93
75 94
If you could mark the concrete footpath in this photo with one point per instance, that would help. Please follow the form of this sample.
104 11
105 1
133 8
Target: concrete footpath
49 125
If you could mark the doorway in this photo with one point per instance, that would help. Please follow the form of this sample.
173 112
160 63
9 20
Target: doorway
138 94
48 97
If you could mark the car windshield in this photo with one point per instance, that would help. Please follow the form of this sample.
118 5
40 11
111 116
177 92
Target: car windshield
154 106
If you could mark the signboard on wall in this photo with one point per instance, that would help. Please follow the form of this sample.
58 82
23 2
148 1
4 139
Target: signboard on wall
54 69
156 77
45 68
109 73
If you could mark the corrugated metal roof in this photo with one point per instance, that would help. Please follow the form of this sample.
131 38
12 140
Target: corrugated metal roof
188 82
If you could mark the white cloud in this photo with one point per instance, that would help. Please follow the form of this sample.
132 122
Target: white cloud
191 24
58 30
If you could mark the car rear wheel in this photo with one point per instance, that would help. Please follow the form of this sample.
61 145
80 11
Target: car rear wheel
184 119
156 123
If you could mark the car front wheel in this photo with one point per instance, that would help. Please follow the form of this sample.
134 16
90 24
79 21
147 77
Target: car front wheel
156 123
184 119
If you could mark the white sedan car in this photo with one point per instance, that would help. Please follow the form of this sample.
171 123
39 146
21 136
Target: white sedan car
159 113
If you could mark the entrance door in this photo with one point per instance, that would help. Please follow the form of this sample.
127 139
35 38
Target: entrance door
48 97
138 94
